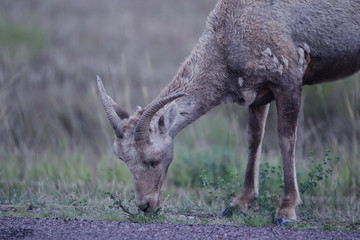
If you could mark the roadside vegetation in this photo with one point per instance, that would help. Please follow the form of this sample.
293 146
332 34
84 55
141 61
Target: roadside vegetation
55 141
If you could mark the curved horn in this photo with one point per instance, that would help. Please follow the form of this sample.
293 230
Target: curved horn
114 119
143 125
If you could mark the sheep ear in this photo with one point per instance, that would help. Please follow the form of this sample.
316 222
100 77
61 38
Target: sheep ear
119 111
167 120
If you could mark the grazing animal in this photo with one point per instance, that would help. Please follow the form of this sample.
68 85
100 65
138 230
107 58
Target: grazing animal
251 52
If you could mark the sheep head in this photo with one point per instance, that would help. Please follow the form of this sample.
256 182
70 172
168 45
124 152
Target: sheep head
143 142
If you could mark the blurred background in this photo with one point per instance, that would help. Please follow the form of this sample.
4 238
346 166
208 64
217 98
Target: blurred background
51 51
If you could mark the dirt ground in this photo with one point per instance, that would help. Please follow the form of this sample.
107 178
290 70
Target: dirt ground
22 228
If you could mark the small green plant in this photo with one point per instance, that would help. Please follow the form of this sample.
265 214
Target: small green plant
127 206
270 182
221 189
118 202
269 173
271 185
76 201
353 226
318 172
270 178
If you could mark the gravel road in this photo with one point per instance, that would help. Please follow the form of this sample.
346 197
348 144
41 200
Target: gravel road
22 228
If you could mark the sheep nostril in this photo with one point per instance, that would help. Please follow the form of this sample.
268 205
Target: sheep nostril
144 207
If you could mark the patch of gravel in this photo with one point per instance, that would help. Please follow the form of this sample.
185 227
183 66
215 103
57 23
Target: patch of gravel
24 228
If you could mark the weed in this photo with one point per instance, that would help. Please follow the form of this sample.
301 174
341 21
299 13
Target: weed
328 227
128 206
256 221
221 189
271 184
319 172
225 190
120 203
353 226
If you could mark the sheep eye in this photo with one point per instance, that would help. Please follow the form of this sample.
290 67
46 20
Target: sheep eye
154 163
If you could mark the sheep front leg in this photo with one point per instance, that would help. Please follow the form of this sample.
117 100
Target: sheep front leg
288 105
250 189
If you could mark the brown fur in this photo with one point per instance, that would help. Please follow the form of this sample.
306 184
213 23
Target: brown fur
251 53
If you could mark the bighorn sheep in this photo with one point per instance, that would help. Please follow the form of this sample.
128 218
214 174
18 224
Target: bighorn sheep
251 52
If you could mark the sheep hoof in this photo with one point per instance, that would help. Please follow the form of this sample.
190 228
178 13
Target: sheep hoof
280 221
228 211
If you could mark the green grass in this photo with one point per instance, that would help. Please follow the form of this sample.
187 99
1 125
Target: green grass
205 175
68 187
17 40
